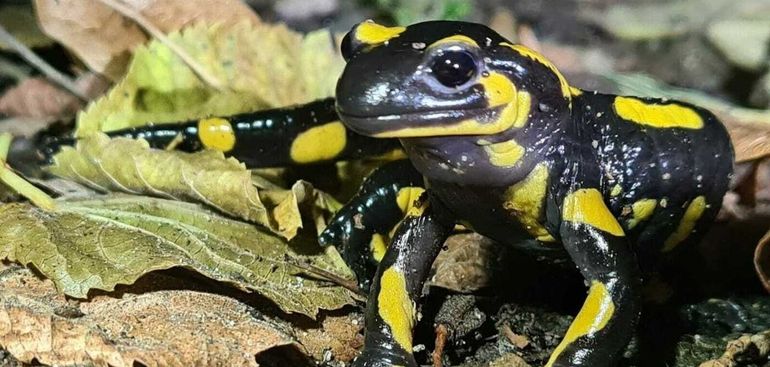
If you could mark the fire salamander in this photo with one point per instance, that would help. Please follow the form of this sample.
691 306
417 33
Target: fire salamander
507 147
498 141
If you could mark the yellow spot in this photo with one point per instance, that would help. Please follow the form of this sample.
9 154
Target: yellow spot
657 115
616 190
378 245
575 91
395 307
532 54
319 143
498 89
524 201
407 197
372 33
587 206
504 154
687 224
641 211
455 39
515 113
216 133
593 316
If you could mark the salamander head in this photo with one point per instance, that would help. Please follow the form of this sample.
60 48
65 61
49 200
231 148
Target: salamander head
444 78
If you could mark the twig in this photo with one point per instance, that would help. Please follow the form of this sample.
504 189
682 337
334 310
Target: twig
5 146
143 22
49 71
334 278
442 334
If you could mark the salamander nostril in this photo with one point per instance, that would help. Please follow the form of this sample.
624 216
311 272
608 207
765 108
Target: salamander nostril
454 68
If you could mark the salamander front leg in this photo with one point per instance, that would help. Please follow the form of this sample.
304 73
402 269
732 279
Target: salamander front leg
361 230
606 322
391 309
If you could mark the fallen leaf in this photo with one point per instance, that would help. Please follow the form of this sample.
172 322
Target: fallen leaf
98 244
207 177
751 141
261 66
35 103
163 328
38 98
338 338
104 39
466 264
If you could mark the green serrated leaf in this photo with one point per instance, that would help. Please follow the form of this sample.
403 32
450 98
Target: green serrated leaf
261 66
97 244
206 177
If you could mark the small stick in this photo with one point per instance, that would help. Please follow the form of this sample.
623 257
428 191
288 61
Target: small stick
38 63
334 278
442 334
143 22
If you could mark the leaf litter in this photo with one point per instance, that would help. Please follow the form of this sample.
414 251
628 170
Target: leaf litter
163 328
98 244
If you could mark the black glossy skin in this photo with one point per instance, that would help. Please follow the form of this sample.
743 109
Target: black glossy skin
596 161
373 210
262 138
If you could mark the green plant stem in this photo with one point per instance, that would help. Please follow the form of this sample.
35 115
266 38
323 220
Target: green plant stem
18 183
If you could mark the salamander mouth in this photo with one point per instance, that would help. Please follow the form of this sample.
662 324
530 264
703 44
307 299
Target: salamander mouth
415 124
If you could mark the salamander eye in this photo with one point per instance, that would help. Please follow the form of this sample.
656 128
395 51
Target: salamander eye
454 68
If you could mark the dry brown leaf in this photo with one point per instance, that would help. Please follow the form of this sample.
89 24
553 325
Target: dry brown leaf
164 328
338 338
38 98
750 141
466 264
35 103
104 39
